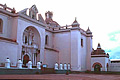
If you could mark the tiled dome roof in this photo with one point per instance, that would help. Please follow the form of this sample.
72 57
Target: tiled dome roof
99 51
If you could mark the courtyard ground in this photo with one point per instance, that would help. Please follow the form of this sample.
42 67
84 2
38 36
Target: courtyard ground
81 76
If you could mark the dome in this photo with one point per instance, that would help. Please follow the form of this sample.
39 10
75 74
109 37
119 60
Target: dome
99 51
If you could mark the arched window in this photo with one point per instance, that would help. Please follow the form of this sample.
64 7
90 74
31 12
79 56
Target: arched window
82 42
1 25
46 40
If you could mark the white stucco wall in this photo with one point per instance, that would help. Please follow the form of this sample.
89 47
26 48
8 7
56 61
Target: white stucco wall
114 67
51 57
102 60
70 50
75 50
83 53
9 26
62 44
8 50
5 25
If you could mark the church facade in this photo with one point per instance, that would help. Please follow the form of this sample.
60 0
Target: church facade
27 36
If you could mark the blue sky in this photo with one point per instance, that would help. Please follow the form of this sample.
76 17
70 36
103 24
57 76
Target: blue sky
114 38
102 16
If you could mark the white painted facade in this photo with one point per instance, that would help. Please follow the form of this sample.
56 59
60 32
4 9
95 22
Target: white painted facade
24 37
102 60
27 37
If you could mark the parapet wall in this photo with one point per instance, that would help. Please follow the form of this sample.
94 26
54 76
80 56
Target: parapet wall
114 67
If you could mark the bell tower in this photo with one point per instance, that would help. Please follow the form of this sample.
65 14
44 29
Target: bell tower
49 14
33 12
89 49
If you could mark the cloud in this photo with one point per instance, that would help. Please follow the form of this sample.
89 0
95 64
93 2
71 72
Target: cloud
114 36
114 53
114 45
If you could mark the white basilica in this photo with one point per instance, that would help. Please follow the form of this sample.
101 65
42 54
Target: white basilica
27 36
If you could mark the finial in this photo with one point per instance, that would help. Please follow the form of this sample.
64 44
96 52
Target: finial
88 29
13 10
66 25
5 6
99 46
75 18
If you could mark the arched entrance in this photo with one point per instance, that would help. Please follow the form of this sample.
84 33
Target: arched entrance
107 66
31 45
97 67
25 59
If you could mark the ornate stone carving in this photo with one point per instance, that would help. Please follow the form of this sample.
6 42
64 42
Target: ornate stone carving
33 11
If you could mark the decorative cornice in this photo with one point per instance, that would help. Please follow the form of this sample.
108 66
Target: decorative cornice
100 56
9 40
52 49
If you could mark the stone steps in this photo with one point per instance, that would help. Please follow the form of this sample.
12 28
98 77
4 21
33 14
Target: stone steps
31 71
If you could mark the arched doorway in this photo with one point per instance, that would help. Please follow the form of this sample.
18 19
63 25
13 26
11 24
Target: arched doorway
25 59
97 67
107 66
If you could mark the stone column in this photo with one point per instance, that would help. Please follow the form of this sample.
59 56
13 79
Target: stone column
30 65
7 63
19 64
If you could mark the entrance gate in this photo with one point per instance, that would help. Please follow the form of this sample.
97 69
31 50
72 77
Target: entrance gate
97 68
25 59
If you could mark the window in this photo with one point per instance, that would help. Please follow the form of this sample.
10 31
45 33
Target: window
82 42
46 40
25 39
1 25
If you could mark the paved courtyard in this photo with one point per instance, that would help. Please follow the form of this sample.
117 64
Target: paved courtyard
63 77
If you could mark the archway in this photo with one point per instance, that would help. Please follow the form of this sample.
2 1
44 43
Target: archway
97 67
25 59
107 66
31 44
